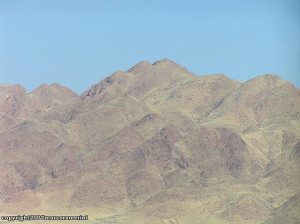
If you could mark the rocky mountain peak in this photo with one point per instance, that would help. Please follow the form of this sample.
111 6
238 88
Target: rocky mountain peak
54 89
153 144
165 61
141 66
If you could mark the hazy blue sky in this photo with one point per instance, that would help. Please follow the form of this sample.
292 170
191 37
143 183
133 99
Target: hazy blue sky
78 43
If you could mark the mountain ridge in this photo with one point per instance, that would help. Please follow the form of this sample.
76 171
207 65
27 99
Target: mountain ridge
153 144
143 65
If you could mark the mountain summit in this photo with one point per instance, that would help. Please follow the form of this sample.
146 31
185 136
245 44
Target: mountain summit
138 80
153 144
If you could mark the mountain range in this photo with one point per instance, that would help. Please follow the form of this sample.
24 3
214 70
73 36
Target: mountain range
153 144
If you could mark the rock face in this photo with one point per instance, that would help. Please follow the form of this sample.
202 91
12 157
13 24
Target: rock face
12 101
154 144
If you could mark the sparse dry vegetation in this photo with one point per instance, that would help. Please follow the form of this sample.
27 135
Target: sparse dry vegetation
154 144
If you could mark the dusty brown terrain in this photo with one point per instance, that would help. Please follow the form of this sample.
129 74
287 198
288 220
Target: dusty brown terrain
154 144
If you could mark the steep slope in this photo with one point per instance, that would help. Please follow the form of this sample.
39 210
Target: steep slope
195 97
153 144
259 99
46 96
288 212
137 80
12 101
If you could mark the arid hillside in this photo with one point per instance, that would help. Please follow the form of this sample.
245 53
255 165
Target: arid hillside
153 144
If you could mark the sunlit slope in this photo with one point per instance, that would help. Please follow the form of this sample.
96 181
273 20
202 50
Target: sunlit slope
153 144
